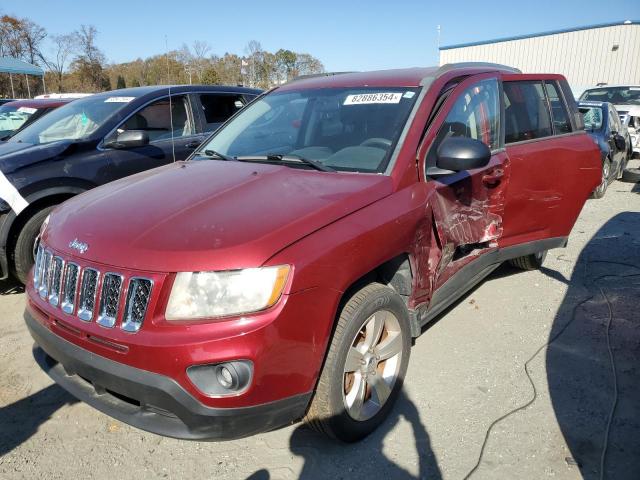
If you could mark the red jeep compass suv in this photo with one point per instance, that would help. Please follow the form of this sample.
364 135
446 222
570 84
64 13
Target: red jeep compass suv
283 270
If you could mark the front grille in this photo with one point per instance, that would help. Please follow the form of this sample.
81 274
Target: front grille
137 300
109 299
77 289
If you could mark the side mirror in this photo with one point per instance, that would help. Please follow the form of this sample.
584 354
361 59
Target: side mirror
461 153
129 139
621 144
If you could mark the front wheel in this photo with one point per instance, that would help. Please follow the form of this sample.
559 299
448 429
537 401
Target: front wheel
365 365
23 254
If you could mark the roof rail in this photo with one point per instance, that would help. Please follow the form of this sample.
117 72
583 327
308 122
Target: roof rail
314 75
426 81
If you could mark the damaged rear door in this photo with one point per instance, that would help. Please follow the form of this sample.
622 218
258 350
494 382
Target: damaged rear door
466 206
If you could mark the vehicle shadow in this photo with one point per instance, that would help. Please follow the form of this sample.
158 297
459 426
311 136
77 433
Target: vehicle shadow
21 419
11 287
367 459
600 310
324 458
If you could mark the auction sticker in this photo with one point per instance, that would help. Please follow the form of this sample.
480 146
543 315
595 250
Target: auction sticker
368 98
119 99
28 110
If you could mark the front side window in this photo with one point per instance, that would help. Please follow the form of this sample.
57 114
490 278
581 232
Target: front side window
475 114
217 108
561 123
160 117
348 129
75 121
526 112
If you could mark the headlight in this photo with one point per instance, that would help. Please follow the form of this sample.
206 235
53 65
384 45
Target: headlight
220 294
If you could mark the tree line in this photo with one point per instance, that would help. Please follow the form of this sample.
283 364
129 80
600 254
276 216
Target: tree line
73 62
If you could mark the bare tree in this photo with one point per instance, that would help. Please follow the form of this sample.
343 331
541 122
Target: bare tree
57 62
32 37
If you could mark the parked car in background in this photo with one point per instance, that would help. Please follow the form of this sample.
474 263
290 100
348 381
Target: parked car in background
283 271
630 118
53 96
626 99
5 100
95 140
602 122
16 115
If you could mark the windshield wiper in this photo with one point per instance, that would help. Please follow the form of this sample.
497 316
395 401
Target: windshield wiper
288 158
213 154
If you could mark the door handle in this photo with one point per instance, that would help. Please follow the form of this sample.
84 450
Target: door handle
493 179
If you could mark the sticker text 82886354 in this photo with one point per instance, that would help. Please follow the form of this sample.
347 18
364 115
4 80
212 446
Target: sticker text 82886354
367 98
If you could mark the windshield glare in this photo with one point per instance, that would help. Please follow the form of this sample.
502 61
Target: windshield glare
592 117
615 95
74 121
348 129
12 118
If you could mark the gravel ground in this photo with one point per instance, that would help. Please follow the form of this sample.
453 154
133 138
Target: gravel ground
466 371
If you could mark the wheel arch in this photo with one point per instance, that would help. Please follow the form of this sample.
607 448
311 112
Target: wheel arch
49 196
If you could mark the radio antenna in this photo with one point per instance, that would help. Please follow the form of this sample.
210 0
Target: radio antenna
173 144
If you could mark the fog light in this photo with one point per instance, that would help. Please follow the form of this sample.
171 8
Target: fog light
225 378
228 378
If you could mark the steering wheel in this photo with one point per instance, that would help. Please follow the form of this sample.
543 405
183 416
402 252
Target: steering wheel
382 143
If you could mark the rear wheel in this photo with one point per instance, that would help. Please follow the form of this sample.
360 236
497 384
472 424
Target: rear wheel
365 365
529 262
24 255
602 188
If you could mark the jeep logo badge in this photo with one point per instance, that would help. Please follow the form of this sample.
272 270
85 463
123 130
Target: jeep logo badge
78 245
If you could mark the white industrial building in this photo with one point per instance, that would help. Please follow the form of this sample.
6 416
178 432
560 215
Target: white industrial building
605 53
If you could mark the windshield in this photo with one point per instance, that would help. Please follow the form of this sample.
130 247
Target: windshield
348 129
12 118
592 117
615 95
74 121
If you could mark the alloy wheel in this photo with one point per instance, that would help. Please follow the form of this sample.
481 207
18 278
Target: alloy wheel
372 365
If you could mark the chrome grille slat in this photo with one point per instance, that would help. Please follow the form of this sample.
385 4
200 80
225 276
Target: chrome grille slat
57 267
69 287
138 296
109 299
88 290
37 269
43 290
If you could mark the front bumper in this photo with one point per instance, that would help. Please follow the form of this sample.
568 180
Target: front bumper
151 401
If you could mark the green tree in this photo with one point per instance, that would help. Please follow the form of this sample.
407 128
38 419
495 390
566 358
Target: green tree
120 83
210 77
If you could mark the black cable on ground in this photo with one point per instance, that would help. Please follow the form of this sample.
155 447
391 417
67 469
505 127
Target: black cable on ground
548 343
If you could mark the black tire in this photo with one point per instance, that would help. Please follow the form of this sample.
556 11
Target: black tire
328 413
606 172
529 262
631 175
23 253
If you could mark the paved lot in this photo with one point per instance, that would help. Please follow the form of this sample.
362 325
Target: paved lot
466 371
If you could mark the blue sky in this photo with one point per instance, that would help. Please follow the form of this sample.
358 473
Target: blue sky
343 34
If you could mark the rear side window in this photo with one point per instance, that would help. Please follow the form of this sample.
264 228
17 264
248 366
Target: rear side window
217 108
526 112
475 114
561 123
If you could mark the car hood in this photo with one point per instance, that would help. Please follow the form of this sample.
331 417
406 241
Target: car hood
17 155
206 215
